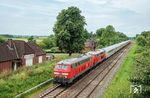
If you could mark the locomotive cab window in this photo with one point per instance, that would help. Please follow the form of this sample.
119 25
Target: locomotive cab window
64 67
58 66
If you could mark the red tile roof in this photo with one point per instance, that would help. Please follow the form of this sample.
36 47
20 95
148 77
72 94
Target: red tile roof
6 53
38 50
15 49
23 48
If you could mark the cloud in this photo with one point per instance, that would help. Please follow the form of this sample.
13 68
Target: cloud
37 17
62 0
97 2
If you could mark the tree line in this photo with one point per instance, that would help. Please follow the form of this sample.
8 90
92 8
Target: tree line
108 36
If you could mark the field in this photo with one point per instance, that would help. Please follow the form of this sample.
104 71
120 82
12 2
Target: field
38 39
120 85
26 78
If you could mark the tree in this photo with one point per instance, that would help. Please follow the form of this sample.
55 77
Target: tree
69 30
144 39
110 28
2 40
141 41
31 38
100 31
146 34
87 35
48 42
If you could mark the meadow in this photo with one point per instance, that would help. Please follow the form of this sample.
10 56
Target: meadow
38 39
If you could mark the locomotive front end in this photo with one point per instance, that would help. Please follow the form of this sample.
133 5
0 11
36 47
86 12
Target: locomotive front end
61 73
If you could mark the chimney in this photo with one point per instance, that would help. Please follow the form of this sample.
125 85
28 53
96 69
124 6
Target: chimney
10 43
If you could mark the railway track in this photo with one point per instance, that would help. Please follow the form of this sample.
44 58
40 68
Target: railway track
48 91
85 87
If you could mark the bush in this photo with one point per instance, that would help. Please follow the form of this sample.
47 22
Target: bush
48 42
2 40
19 76
2 82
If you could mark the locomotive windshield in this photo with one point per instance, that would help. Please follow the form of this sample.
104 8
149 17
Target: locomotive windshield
58 66
64 67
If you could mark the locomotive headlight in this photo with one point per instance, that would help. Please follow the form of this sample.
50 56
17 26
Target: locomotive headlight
64 73
56 73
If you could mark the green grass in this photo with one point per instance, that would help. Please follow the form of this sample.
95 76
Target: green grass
40 39
26 78
120 85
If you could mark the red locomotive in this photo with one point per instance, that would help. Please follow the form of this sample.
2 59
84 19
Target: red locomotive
68 70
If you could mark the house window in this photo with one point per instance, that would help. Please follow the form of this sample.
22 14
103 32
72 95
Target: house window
40 59
29 59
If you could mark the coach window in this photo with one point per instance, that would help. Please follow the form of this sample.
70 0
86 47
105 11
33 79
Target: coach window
76 64
80 62
86 60
83 61
73 65
97 55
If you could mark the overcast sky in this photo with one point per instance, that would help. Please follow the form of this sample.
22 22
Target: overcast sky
37 17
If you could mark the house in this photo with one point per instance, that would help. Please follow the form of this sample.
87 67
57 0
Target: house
16 53
90 45
40 55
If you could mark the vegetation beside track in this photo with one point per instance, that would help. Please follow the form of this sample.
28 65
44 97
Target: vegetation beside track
120 85
135 71
141 75
25 78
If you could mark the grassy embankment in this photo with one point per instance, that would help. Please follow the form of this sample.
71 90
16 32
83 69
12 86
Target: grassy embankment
26 78
120 85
